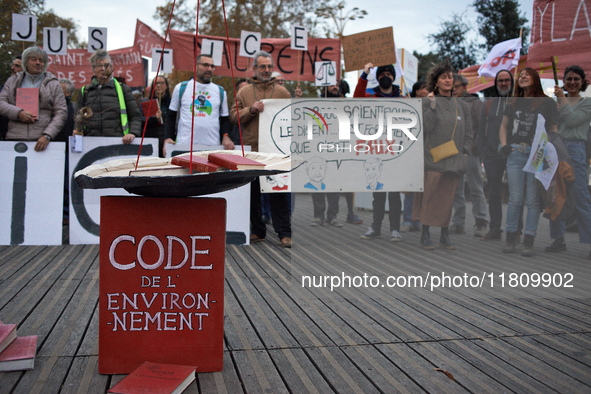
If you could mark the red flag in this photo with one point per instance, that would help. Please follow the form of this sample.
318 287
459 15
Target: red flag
146 39
561 30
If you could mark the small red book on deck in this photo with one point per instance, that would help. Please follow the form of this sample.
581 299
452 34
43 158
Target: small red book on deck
20 355
200 163
28 100
156 378
7 335
150 107
235 162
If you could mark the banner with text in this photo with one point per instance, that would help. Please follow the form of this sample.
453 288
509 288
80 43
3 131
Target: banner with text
290 63
75 66
347 145
561 30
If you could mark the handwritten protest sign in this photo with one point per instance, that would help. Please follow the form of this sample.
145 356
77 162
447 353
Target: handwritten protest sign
353 145
375 46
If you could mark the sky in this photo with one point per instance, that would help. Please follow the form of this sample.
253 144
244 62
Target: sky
412 24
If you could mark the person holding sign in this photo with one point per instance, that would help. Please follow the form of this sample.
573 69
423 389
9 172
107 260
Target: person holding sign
113 109
516 135
247 107
34 102
385 76
574 114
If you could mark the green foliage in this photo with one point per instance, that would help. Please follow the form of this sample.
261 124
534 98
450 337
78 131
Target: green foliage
425 63
451 42
499 21
272 18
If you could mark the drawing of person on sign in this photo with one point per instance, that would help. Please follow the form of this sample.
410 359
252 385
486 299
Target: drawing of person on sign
373 171
279 182
316 170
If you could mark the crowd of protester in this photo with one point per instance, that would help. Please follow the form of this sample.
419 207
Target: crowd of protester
495 134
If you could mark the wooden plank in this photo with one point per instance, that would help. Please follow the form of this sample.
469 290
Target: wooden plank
239 333
554 357
268 325
221 382
464 373
379 369
298 371
341 374
495 367
257 372
83 377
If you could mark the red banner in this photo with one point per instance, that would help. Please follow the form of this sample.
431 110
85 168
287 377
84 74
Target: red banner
75 66
290 63
561 30
146 39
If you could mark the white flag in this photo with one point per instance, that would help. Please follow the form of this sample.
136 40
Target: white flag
503 56
543 159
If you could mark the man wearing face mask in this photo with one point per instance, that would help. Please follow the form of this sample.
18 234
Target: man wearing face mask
385 76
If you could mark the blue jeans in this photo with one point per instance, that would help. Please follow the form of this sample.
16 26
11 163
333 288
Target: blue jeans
494 173
522 185
576 151
407 210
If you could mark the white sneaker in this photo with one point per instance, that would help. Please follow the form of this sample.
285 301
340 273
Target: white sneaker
334 223
369 234
317 222
395 237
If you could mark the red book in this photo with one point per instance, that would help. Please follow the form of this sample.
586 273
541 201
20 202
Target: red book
28 99
235 162
7 335
156 378
20 355
150 107
200 163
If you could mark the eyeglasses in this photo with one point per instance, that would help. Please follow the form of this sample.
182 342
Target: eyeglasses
263 67
207 65
104 65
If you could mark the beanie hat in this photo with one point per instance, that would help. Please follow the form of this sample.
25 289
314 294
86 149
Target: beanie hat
382 69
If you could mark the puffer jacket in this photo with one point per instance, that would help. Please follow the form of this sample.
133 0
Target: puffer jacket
106 115
53 110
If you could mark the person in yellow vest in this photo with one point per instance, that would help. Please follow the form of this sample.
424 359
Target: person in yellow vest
113 109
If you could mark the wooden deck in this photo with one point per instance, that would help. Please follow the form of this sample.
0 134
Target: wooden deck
281 337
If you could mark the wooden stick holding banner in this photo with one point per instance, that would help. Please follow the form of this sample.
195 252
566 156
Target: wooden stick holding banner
517 65
299 42
554 70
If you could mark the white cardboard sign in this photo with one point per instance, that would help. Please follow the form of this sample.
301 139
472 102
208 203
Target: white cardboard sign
166 65
55 41
250 43
85 203
24 27
97 38
32 190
